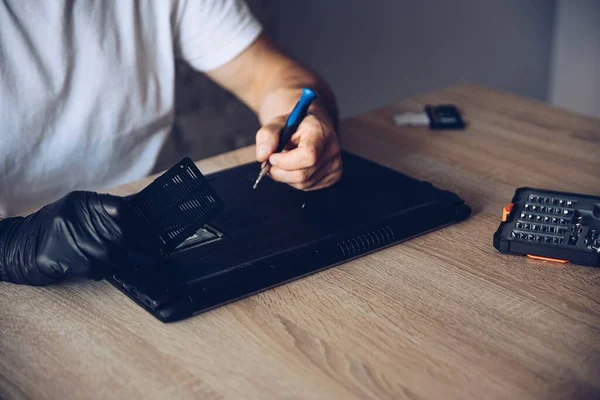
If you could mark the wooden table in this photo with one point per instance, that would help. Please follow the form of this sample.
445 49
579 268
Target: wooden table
442 316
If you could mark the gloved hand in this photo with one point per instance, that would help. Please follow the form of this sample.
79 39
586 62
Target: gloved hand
83 234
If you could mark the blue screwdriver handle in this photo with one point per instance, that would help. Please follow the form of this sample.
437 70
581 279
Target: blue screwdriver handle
291 125
295 118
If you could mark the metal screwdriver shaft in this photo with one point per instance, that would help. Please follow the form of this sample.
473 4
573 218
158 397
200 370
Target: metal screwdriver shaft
263 171
291 125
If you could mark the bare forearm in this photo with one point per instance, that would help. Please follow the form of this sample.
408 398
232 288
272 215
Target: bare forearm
281 92
269 82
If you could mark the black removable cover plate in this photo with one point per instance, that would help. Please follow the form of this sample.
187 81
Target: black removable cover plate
552 224
177 204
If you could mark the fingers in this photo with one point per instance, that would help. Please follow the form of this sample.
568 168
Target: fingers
326 182
267 138
113 205
311 139
329 164
326 176
130 234
312 159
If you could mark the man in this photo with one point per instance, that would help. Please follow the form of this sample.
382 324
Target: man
86 101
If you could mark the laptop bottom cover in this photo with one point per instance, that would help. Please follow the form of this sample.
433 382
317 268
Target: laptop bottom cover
275 234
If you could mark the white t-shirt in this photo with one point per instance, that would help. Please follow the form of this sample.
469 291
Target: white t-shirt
87 87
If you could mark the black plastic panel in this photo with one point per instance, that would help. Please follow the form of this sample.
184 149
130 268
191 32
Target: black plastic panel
276 234
177 204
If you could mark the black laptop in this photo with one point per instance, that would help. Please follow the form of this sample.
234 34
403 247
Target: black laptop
275 234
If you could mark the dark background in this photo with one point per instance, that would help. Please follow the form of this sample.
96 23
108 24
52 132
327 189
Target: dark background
374 52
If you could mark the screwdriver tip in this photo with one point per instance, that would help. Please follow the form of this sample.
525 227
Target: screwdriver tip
262 173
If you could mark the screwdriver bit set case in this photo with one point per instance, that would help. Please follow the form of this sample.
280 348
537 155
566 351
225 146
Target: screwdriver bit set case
553 226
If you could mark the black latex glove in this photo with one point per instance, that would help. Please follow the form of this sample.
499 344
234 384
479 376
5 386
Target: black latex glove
83 234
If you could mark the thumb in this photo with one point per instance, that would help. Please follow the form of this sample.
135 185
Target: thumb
138 236
113 205
267 138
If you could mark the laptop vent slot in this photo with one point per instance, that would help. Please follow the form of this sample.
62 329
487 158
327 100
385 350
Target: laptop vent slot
365 242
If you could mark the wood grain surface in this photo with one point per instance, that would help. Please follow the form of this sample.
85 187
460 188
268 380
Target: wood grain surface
443 316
